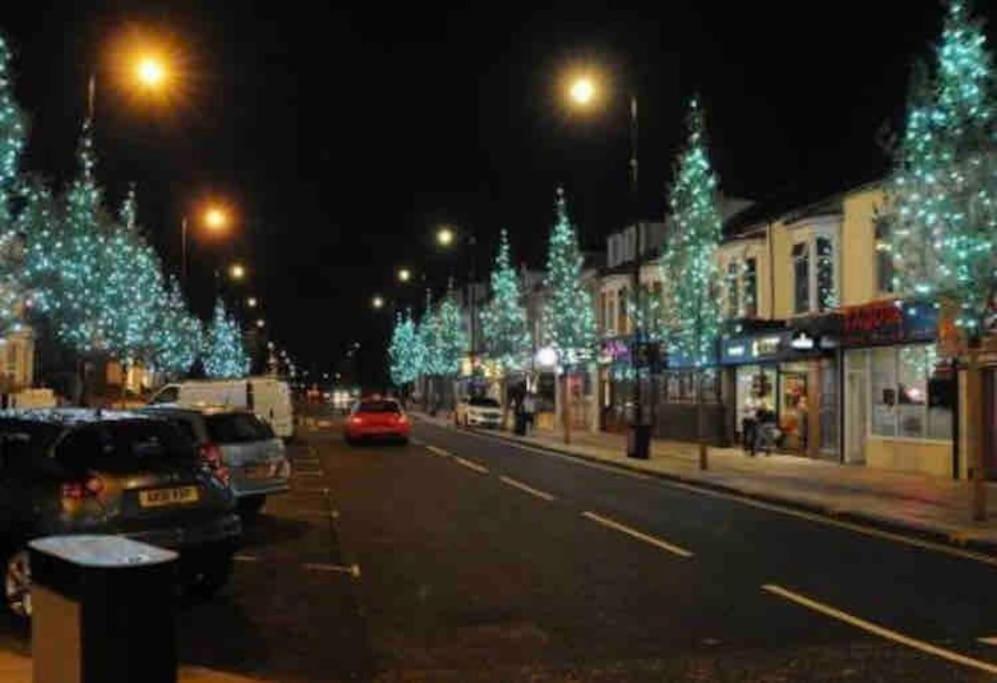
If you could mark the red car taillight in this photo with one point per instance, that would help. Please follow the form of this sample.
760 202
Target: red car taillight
402 419
211 459
356 420
91 487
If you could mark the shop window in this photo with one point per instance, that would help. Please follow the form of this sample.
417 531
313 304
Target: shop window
711 385
621 311
801 278
884 257
909 399
681 386
733 305
749 286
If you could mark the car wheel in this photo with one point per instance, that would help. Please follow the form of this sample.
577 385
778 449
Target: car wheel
251 506
17 583
210 571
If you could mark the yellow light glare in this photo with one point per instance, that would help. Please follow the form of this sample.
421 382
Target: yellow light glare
150 72
582 90
237 271
215 218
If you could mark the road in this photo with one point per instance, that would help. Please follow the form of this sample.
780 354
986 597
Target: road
463 558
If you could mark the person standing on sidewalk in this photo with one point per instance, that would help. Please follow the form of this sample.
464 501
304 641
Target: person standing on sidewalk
530 408
749 424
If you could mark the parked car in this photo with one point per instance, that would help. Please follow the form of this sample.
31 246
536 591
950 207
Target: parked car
239 441
76 471
267 397
478 411
377 418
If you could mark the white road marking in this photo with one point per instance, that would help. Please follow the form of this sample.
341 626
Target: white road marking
471 465
528 489
880 631
245 558
770 507
353 569
988 640
417 442
640 535
439 451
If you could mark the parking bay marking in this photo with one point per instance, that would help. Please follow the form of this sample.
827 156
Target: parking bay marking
353 569
639 535
878 630
526 488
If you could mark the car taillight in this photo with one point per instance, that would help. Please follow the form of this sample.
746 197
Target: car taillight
356 420
403 419
211 459
91 487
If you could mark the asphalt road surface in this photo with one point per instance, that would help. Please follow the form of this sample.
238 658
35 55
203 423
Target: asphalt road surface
463 558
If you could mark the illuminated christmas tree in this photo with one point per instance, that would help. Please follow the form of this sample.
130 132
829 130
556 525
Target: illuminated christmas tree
404 352
942 192
179 335
12 141
451 341
569 321
426 331
690 260
224 355
503 320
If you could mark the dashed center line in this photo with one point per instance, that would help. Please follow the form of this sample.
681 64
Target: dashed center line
880 631
245 558
439 451
481 469
526 488
640 535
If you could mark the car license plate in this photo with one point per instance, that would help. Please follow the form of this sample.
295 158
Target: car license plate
179 495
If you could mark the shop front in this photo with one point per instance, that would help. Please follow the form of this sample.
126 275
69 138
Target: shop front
793 374
677 392
900 395
615 387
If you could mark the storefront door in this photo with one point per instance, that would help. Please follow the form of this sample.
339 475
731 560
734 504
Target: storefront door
855 421
793 407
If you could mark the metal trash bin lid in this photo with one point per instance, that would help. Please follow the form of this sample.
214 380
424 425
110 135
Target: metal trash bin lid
102 551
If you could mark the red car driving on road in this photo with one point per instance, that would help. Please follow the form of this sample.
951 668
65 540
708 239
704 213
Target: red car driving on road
377 418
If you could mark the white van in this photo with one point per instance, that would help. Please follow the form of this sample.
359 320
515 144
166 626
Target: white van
269 398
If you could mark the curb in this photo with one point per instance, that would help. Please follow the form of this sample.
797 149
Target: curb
954 539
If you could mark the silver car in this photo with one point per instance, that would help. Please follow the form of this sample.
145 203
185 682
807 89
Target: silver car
240 442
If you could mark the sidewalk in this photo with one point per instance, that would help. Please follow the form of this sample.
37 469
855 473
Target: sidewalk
927 506
16 668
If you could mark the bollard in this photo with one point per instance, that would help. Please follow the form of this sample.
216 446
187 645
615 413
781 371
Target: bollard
102 610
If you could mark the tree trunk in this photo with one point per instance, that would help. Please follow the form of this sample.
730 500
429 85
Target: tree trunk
974 442
700 420
565 408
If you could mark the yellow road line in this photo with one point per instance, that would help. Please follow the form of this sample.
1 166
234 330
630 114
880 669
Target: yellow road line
640 535
880 631
526 488
471 465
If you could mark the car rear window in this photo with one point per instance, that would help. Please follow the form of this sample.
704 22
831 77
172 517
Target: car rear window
237 428
378 407
124 446
482 402
26 436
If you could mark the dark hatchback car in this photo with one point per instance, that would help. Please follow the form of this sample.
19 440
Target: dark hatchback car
75 471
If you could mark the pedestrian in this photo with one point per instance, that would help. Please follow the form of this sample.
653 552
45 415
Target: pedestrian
530 408
749 424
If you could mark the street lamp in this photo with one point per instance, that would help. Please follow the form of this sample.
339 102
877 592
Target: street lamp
445 236
261 323
150 71
404 274
252 302
215 218
377 302
582 91
237 272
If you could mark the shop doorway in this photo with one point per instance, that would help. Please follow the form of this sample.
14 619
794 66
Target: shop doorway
855 422
793 408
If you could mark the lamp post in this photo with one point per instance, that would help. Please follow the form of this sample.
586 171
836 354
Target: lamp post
446 237
583 92
215 218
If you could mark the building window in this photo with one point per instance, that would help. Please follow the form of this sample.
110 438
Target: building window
884 257
621 311
733 305
801 278
826 297
909 399
749 286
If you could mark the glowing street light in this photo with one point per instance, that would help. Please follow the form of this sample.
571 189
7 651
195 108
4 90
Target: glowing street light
582 90
377 302
237 271
252 302
445 236
150 72
404 274
260 322
216 218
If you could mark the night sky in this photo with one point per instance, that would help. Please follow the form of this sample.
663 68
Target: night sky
343 136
